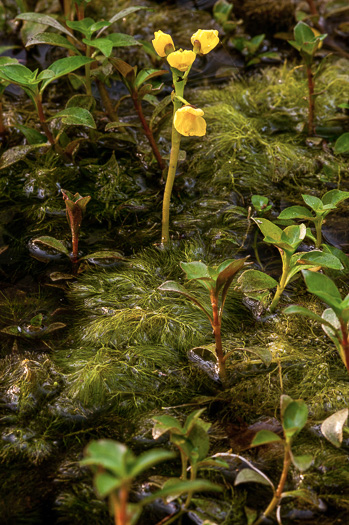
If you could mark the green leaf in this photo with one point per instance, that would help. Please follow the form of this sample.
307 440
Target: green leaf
302 462
146 74
296 212
51 242
222 11
332 328
332 427
82 26
44 20
263 437
182 487
313 202
254 280
18 74
294 418
37 320
192 419
259 202
123 40
285 400
263 353
196 270
17 153
166 424
270 230
304 494
334 197
248 475
303 33
294 235
226 273
52 39
300 310
74 116
105 45
172 286
108 454
317 258
106 254
125 12
149 459
323 287
342 144
32 135
106 483
64 66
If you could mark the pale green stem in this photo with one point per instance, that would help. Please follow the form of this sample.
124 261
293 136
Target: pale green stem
175 145
318 226
283 280
193 472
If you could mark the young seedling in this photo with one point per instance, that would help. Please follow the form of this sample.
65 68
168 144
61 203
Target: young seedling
216 280
294 415
308 43
250 49
321 207
187 120
334 319
287 242
115 469
192 441
260 204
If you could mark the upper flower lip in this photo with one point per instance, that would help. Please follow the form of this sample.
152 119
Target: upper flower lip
208 39
188 121
181 60
160 42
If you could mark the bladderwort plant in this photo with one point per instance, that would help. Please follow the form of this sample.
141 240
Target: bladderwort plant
294 416
187 120
287 242
321 207
335 319
116 468
216 280
308 41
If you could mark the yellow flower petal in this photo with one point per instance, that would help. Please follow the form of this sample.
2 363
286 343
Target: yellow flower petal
181 60
208 39
188 121
160 41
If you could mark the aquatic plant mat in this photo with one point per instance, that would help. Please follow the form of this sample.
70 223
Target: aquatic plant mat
98 353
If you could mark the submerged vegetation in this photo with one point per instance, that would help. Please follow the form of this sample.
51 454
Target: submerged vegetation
167 384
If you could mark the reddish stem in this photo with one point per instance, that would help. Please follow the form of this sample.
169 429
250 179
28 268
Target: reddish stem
138 106
218 339
2 125
43 120
311 86
312 7
121 516
345 343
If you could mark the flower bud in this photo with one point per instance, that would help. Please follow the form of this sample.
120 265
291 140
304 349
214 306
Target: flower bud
188 121
208 39
181 60
161 41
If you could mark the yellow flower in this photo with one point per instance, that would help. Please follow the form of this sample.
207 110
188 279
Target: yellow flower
181 60
160 42
208 39
188 121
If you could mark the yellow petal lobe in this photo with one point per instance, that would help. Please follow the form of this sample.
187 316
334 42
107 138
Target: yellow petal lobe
188 121
208 39
160 41
181 60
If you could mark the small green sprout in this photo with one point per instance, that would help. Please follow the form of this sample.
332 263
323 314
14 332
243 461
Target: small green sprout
308 41
335 319
287 242
321 207
116 468
216 280
260 204
294 416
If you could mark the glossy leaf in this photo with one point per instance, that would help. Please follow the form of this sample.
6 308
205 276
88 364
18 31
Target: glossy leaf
149 459
53 243
108 454
285 400
248 475
196 270
166 424
123 40
107 254
317 258
294 418
302 462
263 437
269 229
334 197
104 45
226 273
332 427
300 310
45 20
192 419
105 483
254 280
147 74
303 33
125 12
296 212
17 153
64 66
19 74
332 328
32 135
293 235
52 39
74 116
323 287
342 144
314 203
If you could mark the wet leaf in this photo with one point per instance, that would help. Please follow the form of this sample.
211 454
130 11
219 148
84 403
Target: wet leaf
342 144
166 424
106 483
303 33
122 40
149 459
75 116
263 437
294 418
17 153
146 74
314 203
334 197
51 242
181 487
254 280
32 135
318 258
259 202
125 12
324 288
332 427
248 475
107 254
63 66
104 45
52 39
306 313
302 462
108 454
296 212
45 20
